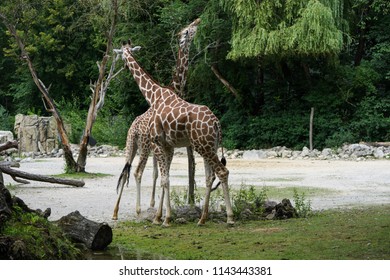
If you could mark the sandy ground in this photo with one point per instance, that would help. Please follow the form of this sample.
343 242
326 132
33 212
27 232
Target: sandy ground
344 183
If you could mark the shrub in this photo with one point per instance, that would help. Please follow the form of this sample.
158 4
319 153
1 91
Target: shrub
302 206
247 198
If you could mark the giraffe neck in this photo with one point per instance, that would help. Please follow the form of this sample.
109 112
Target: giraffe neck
180 76
148 87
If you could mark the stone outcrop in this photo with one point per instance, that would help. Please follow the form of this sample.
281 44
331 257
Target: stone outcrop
6 136
36 134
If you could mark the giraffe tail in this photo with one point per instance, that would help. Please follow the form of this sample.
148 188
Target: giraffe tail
124 177
223 161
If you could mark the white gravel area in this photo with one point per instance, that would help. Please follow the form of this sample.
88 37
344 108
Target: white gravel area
345 183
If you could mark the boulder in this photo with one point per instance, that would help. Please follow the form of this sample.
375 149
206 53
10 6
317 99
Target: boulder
6 136
254 154
36 134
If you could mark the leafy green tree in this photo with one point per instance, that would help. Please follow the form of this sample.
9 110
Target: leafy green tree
286 28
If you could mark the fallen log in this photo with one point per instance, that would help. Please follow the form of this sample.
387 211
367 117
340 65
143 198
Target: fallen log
96 236
42 178
8 145
376 144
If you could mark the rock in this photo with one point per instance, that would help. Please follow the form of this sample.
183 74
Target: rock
287 153
148 215
272 154
327 153
305 152
6 136
36 134
378 153
285 210
246 215
188 213
254 154
269 205
271 215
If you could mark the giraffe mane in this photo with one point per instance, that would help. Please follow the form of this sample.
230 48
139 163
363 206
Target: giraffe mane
137 48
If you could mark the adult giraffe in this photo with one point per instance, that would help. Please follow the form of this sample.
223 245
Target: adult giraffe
177 123
138 133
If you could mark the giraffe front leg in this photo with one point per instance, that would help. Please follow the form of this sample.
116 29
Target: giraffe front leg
205 211
157 218
168 152
167 206
229 211
209 182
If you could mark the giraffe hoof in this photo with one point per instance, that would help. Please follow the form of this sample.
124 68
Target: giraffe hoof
115 218
166 223
230 222
157 221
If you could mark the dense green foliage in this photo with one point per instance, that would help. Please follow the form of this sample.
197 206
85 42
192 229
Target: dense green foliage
281 57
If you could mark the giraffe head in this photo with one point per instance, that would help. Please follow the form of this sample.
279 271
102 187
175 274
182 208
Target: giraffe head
126 49
187 34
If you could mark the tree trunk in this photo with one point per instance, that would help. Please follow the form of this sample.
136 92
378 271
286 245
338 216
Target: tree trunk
42 178
99 91
362 33
95 236
311 129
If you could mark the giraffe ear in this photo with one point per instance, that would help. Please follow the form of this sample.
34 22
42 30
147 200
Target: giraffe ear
135 49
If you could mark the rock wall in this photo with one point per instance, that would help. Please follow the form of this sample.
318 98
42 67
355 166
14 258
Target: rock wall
346 152
36 134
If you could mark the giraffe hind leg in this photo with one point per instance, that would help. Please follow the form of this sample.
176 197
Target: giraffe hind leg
123 179
223 161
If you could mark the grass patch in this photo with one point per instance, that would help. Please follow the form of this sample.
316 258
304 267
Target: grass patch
283 192
82 175
335 235
284 179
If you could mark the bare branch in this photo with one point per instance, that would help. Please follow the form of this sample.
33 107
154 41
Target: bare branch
224 81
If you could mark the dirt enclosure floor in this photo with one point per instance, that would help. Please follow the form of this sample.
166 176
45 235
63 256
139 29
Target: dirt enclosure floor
331 184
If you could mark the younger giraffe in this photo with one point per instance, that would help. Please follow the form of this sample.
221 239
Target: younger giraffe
177 123
138 134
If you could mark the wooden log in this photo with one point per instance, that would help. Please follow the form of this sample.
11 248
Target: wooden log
8 145
95 236
42 178
376 144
